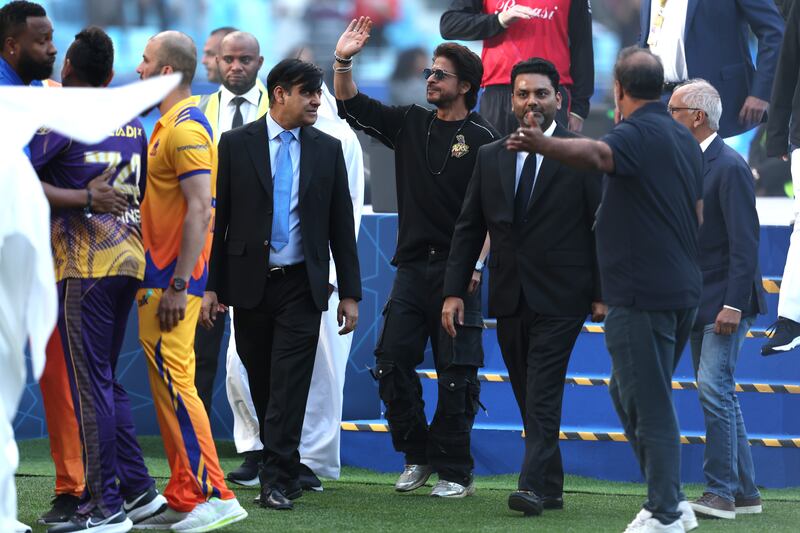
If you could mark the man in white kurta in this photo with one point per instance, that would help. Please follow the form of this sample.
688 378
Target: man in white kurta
28 304
319 442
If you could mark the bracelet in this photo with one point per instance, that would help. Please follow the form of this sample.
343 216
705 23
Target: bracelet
87 209
343 60
343 69
576 115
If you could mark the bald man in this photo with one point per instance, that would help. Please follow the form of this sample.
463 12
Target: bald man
211 50
241 99
176 215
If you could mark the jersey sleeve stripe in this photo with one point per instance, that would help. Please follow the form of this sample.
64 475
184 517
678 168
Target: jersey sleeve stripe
194 173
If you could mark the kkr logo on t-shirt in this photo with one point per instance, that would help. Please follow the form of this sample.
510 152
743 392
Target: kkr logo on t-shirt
154 150
545 13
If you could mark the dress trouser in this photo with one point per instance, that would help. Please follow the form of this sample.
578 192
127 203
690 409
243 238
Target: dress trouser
62 425
411 317
789 299
536 350
207 345
496 108
93 315
645 348
277 341
321 436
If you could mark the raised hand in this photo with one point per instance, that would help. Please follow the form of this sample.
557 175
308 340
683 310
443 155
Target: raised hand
515 13
354 38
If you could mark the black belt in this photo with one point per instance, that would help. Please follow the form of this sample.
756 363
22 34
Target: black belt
282 271
671 85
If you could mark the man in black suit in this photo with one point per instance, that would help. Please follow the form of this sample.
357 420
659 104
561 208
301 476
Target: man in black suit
543 267
732 297
283 204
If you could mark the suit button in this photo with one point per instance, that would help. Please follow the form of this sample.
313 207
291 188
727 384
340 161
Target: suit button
266 243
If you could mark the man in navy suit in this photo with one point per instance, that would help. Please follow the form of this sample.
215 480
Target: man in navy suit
710 40
732 296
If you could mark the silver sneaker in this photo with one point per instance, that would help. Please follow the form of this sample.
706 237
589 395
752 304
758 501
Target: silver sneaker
450 489
413 477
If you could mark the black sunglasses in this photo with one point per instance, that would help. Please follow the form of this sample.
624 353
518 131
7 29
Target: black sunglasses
438 73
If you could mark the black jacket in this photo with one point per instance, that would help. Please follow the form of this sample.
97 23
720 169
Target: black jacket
786 90
243 224
551 259
466 20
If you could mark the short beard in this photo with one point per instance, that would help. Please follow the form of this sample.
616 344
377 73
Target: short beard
28 68
240 88
443 101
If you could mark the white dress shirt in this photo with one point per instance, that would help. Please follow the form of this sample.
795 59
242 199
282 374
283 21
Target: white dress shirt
227 108
292 253
668 40
521 156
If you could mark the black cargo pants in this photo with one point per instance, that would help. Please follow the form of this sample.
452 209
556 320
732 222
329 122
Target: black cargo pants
411 317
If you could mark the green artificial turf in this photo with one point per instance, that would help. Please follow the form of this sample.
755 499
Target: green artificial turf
365 501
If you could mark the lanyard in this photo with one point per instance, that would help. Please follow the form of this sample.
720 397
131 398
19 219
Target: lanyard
658 22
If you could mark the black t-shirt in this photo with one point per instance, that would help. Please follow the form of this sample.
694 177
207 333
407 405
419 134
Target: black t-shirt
428 202
647 224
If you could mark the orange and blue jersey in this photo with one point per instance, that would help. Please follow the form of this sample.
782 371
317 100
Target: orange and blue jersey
180 147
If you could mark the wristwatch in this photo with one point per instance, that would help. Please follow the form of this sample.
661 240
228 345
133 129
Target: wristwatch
479 265
178 284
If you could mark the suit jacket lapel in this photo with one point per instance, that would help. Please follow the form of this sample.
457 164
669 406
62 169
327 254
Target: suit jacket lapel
258 148
308 159
507 163
546 173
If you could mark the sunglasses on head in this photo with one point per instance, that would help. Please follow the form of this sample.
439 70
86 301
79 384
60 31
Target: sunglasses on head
438 73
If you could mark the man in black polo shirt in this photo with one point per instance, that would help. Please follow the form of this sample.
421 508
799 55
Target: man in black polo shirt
647 250
434 156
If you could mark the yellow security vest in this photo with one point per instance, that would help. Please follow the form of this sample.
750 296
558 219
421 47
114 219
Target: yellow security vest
209 105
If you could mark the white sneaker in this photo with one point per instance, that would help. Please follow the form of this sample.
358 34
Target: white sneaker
211 515
652 525
688 519
163 520
450 489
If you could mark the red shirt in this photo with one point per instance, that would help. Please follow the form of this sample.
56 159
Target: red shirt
545 35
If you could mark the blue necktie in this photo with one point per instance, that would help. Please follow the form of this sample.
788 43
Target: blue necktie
282 193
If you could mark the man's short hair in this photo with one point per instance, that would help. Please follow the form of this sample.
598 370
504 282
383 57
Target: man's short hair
14 16
178 51
224 30
468 66
536 65
640 73
92 56
291 72
699 94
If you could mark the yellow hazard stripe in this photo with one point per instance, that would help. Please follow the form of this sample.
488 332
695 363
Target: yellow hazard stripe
772 286
597 436
764 388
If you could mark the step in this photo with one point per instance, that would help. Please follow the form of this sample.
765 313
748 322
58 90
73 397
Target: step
585 406
598 452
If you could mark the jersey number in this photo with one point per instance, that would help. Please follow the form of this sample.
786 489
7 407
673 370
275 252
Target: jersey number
127 178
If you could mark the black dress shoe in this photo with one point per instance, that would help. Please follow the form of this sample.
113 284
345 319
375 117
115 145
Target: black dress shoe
275 499
526 502
293 491
553 502
308 479
247 473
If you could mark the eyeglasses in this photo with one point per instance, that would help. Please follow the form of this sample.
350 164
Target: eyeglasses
673 109
438 73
